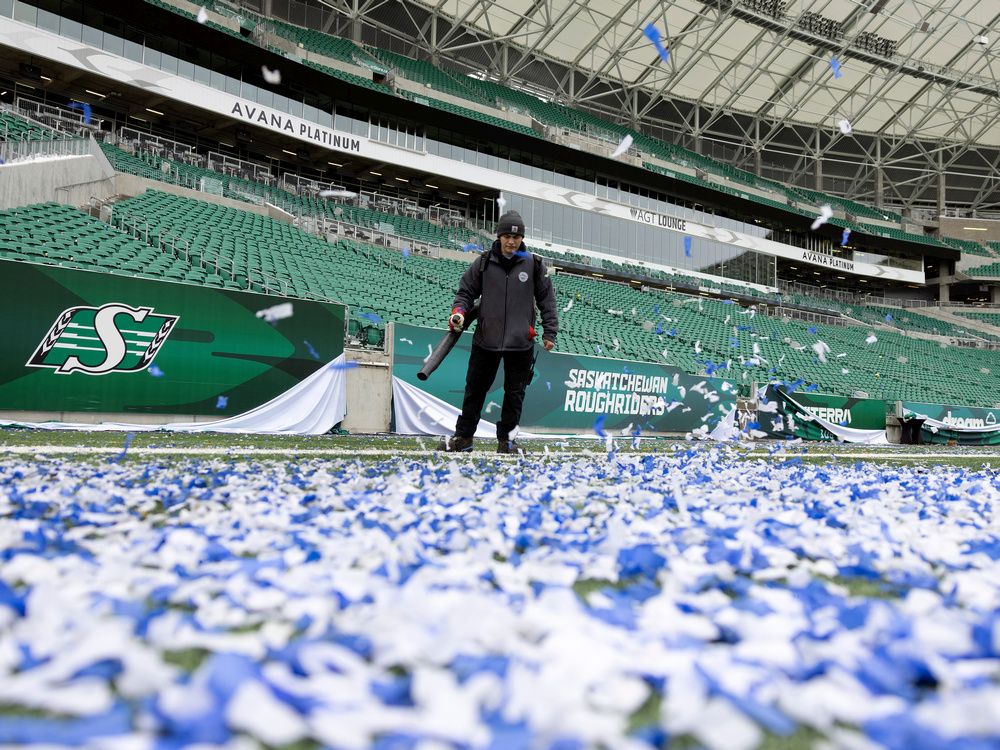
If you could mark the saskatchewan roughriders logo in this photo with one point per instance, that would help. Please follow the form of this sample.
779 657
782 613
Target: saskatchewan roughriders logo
99 340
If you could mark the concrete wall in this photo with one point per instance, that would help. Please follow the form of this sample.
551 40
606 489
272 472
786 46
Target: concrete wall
957 228
130 185
70 180
369 388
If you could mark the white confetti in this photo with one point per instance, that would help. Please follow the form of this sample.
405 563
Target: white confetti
337 193
871 339
430 351
491 406
569 306
624 146
406 341
825 212
845 127
822 349
202 15
271 76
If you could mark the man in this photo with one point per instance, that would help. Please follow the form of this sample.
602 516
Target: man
508 281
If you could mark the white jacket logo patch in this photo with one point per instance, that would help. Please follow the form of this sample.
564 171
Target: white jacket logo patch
522 277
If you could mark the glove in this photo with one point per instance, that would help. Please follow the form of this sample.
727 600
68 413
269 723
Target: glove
456 321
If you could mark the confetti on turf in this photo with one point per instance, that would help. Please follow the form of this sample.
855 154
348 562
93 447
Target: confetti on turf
155 371
344 604
272 77
202 15
825 212
845 127
687 247
222 402
625 145
845 237
653 35
835 67
83 107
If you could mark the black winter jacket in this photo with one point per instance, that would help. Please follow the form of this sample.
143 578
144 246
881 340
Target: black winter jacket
507 300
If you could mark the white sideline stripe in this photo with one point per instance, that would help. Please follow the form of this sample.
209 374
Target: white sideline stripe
348 452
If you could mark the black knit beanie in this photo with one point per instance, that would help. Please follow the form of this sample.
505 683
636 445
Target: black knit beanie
510 223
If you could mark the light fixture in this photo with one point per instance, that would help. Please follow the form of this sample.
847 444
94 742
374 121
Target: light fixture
96 93
334 164
377 174
401 179
598 275
227 145
154 111
290 153
140 119
975 229
462 192
433 187
46 78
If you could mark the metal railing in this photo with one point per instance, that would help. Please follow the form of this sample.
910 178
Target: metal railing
21 151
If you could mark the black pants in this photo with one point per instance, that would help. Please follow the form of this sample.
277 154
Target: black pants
483 366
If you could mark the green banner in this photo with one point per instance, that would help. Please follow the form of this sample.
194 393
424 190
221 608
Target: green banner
96 342
569 391
792 418
965 425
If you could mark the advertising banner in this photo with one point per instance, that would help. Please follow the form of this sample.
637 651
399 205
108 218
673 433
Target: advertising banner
965 425
567 394
818 416
79 341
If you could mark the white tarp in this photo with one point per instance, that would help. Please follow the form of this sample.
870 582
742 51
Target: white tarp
311 407
419 413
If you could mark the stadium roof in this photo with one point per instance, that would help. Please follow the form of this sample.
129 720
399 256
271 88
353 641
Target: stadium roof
762 84
908 68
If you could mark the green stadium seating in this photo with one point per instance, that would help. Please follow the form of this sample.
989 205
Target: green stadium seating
990 270
14 128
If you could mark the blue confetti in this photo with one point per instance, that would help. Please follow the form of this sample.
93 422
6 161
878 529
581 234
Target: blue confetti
85 108
845 237
312 351
687 246
888 317
811 329
406 252
347 364
155 371
471 247
129 437
371 317
835 67
653 35
599 425
222 402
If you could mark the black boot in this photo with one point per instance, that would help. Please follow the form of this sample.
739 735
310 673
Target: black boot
509 446
455 444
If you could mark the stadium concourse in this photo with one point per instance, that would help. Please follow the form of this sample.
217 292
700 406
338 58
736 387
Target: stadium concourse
230 236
